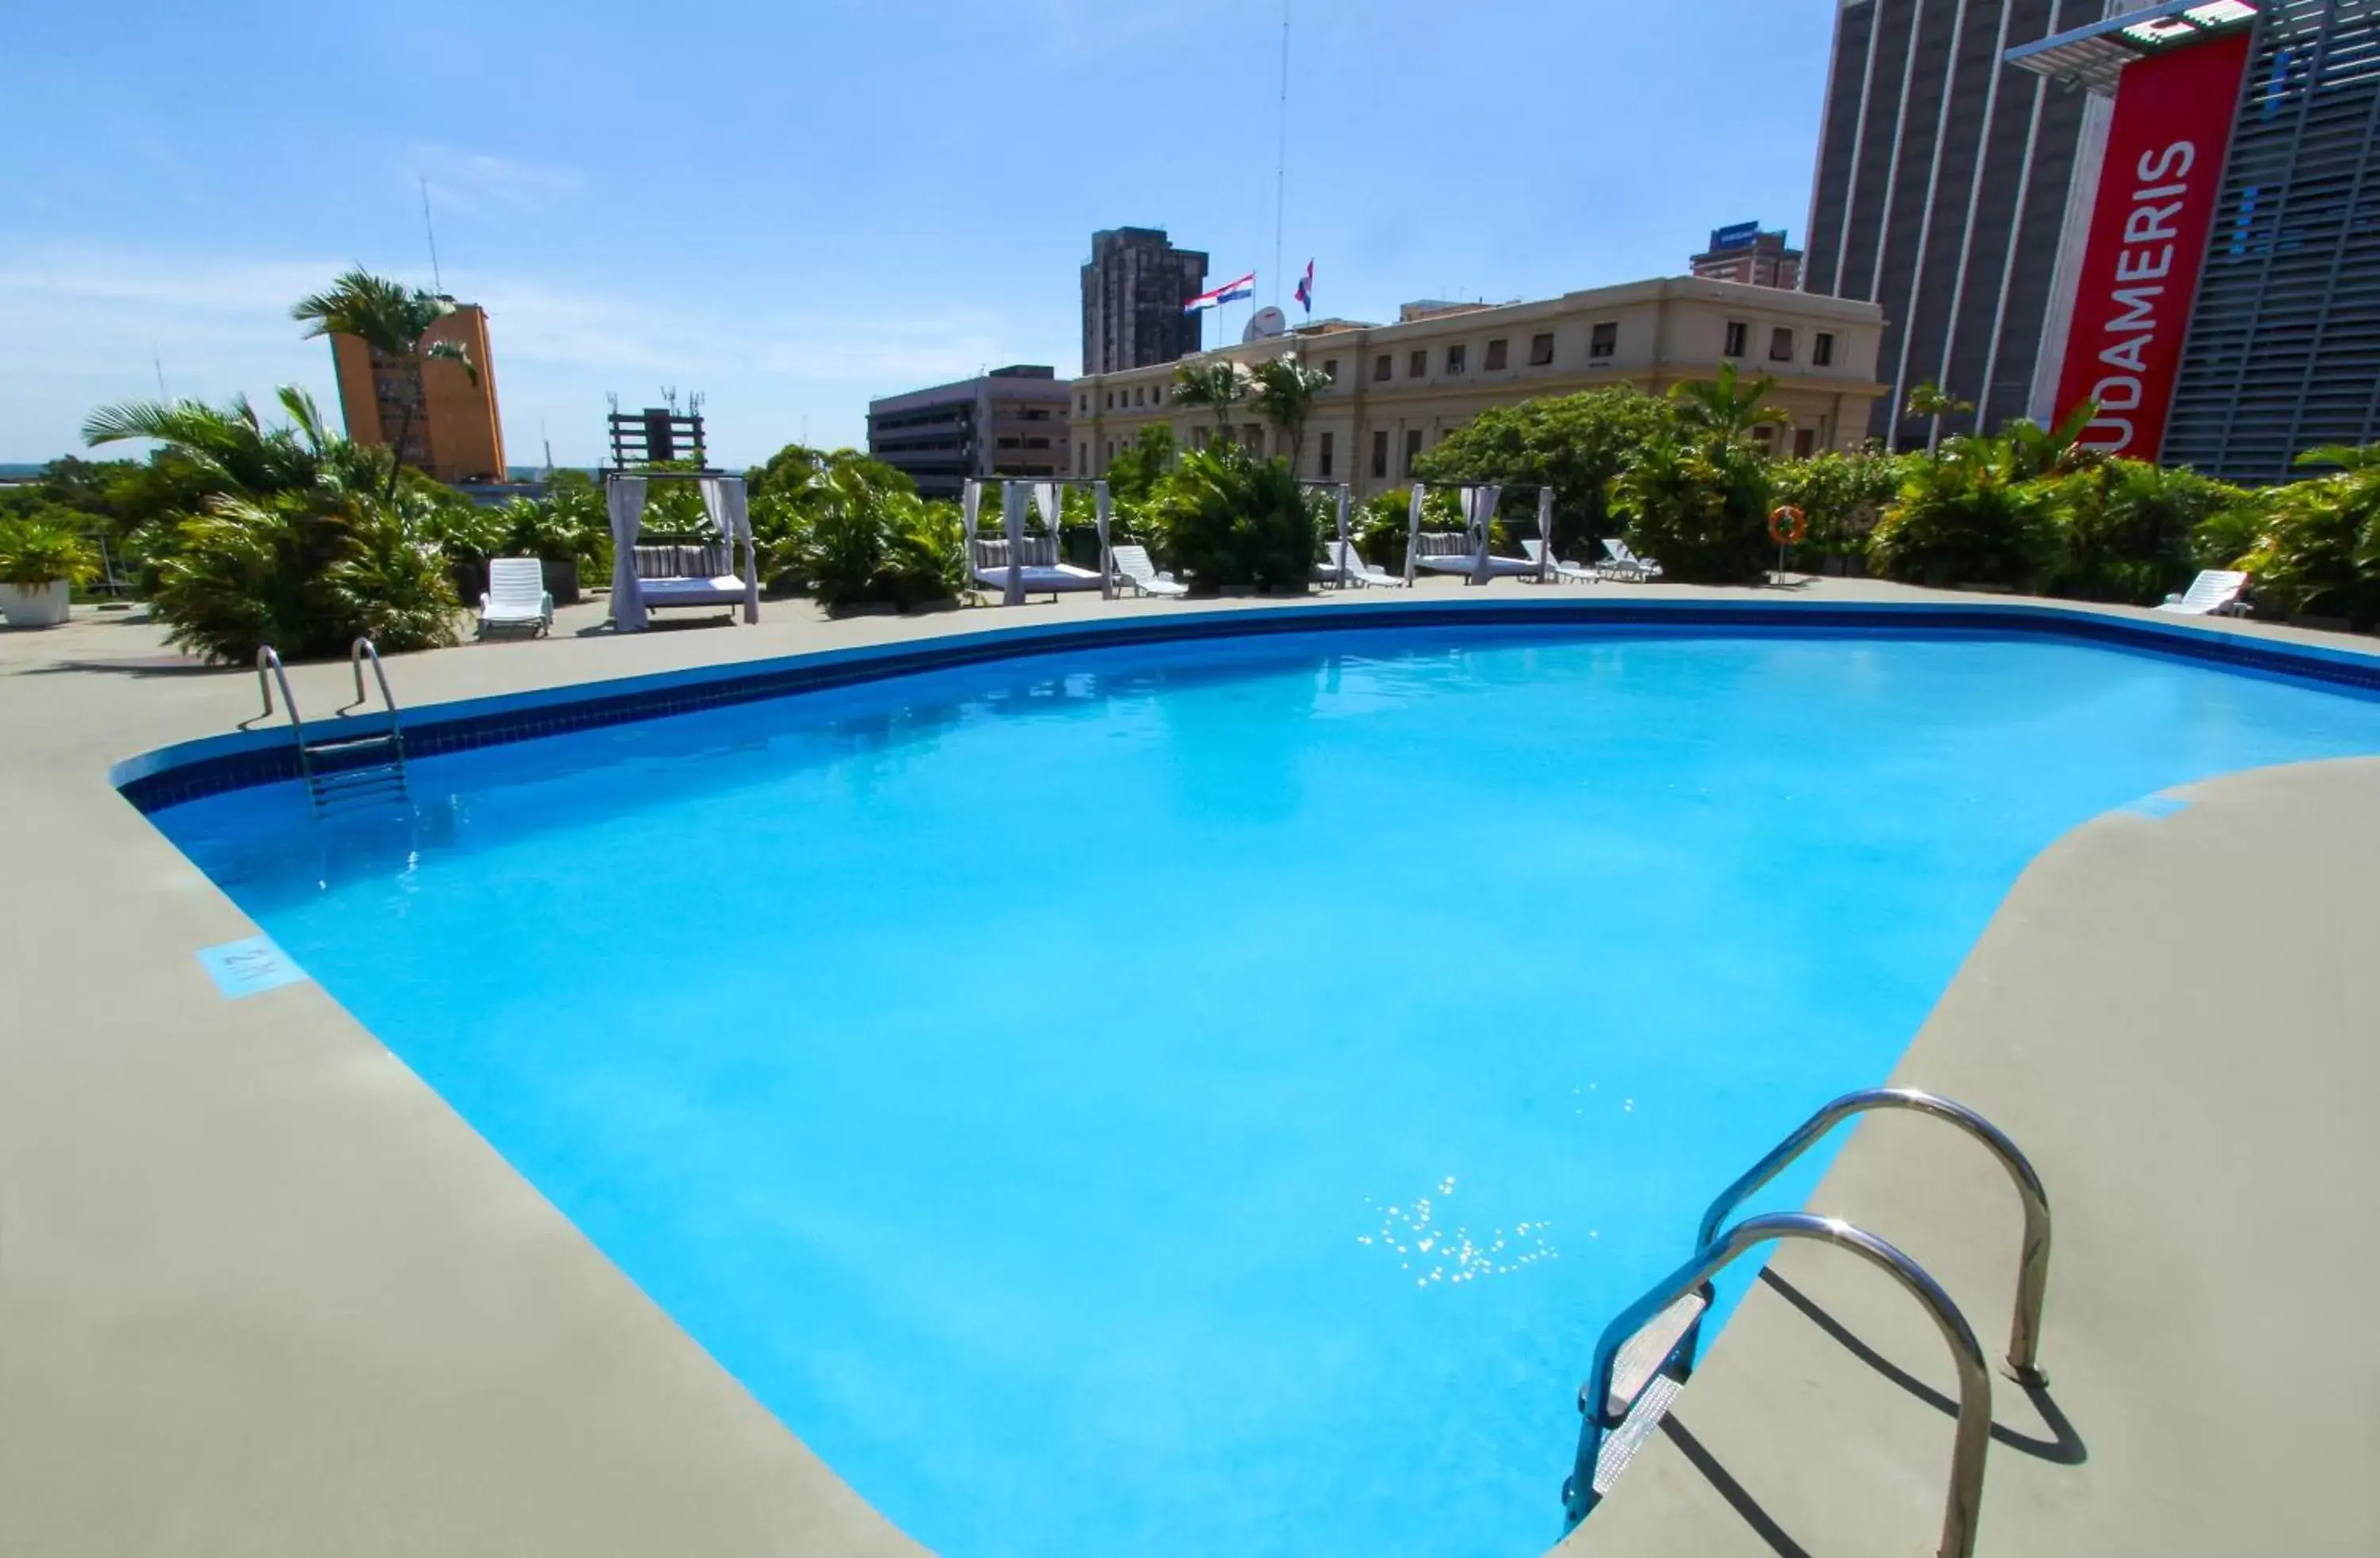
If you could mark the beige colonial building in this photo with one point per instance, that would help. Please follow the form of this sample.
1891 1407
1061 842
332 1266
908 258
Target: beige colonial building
1399 388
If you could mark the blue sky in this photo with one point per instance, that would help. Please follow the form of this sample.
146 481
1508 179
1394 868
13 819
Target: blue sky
794 207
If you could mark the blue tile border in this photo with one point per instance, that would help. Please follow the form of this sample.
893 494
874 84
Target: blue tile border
190 770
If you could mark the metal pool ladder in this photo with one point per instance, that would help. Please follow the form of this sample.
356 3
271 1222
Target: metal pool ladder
1647 1354
343 770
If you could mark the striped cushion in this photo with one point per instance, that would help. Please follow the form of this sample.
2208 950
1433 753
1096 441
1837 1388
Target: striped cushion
681 562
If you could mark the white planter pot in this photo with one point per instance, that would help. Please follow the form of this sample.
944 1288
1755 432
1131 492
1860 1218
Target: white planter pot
35 605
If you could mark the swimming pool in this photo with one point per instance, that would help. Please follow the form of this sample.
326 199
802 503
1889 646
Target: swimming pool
1207 1098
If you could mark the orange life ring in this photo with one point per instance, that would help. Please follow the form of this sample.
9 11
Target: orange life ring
1786 526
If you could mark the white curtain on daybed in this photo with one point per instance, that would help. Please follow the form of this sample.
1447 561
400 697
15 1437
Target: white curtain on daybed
626 507
724 500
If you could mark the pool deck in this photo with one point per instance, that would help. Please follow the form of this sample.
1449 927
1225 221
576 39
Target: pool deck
262 1293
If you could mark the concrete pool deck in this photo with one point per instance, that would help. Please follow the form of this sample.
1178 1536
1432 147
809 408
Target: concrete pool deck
261 1292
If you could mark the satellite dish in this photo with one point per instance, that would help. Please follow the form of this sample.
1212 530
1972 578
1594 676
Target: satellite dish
1265 324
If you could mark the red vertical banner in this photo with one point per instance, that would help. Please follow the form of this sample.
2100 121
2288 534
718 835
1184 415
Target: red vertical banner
2158 190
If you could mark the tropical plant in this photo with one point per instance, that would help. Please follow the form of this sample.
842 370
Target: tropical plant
1931 403
866 543
1575 444
35 551
1381 525
1966 517
1727 405
1233 521
393 321
1217 386
2127 530
232 449
1841 495
1133 475
1698 505
1284 395
2319 551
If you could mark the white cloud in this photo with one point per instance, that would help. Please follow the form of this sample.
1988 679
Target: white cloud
82 322
480 181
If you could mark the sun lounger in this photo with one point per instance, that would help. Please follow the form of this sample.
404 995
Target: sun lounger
1569 572
1134 566
2215 593
1621 563
1358 571
516 596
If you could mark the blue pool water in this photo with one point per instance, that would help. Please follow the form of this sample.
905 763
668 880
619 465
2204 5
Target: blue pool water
1207 1099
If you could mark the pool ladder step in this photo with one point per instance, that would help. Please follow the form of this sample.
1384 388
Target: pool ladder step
1647 1354
346 769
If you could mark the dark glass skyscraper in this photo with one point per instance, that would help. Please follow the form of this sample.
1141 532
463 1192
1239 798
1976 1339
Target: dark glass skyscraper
1133 293
1941 193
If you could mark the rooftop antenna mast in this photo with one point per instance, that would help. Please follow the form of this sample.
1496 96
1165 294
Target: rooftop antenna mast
158 359
437 281
1280 164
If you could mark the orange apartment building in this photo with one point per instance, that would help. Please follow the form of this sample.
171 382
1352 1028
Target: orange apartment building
457 434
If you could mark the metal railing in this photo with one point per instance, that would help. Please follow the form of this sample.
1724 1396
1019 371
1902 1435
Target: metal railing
2033 1262
357 652
1973 1436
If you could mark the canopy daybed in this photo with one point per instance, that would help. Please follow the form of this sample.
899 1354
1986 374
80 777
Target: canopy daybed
1465 551
1018 563
645 578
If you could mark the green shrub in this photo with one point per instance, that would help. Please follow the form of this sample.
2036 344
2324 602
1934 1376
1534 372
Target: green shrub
1698 506
281 571
1964 519
35 551
1578 442
1842 496
867 544
2319 551
1231 520
1382 523
2127 529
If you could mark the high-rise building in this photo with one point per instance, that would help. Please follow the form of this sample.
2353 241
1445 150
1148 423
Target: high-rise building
2220 302
1941 193
1010 422
1744 253
1133 292
455 432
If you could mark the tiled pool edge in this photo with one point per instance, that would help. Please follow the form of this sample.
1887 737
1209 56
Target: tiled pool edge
210 765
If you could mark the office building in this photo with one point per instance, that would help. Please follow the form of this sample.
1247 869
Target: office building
455 434
2219 299
1010 422
1941 194
1133 292
1398 389
1744 253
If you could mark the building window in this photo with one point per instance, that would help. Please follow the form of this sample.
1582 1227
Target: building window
1322 457
1082 459
1495 356
1380 371
1739 338
1380 452
1780 344
1412 448
1418 365
1330 369
1456 357
1036 444
1111 400
1198 438
1822 351
1541 350
1136 395
1252 437
1110 451
1085 406
1804 440
1603 341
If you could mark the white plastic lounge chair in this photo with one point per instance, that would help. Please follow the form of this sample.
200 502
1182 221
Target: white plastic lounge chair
1570 573
2215 593
1449 551
1133 566
516 596
1621 563
1038 568
1332 569
1369 574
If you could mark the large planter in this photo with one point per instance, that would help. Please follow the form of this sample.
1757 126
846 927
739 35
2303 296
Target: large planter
562 581
35 605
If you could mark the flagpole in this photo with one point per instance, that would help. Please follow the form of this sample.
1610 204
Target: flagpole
1280 164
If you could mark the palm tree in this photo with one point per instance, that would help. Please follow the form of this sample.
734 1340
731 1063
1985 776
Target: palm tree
1217 386
1285 393
1727 406
392 321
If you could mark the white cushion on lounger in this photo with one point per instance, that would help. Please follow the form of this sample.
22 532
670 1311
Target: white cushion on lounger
726 589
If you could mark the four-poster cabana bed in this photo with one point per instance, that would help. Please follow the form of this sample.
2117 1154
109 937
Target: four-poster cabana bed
1018 563
1465 551
645 578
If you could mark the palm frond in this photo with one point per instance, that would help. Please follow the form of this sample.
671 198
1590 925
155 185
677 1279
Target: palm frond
453 352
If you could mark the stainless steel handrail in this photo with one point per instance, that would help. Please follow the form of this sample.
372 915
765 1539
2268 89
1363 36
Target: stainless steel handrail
2033 1262
357 652
269 662
1975 1431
